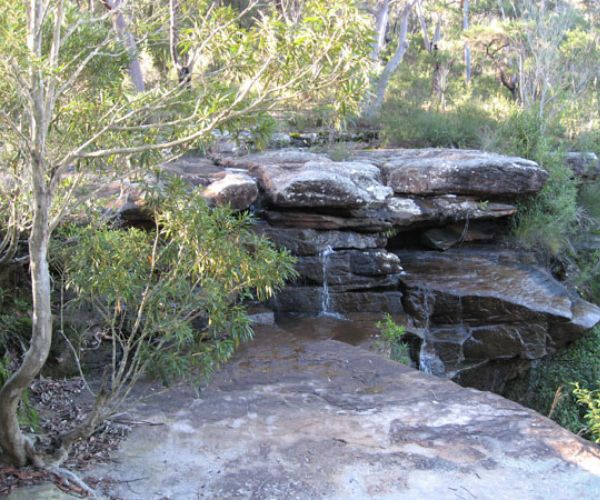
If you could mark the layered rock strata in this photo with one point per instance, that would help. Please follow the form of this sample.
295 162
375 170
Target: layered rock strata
391 231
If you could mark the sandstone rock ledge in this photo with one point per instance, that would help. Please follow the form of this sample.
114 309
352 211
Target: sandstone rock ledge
309 419
363 230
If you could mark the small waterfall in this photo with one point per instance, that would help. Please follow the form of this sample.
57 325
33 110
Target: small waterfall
429 362
325 294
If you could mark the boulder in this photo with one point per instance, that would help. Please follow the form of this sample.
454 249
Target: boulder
322 184
423 172
235 188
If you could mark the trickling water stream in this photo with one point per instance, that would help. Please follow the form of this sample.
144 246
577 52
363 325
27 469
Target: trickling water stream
325 294
429 362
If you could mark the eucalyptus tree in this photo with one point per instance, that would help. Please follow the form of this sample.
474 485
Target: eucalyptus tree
69 111
380 84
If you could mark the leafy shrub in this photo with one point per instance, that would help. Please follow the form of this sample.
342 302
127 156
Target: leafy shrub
521 134
587 141
589 199
590 399
172 300
391 339
538 388
587 280
548 221
412 126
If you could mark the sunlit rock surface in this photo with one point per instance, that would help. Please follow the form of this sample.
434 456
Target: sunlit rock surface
299 417
440 171
322 184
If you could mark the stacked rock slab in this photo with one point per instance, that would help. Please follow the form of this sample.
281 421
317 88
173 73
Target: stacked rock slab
477 316
311 206
484 314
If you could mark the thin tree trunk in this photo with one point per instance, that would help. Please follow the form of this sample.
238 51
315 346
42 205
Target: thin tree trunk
466 9
424 30
120 25
393 63
14 445
12 441
381 24
181 63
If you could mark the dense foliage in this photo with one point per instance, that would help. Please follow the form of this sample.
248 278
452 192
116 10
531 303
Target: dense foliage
548 386
173 300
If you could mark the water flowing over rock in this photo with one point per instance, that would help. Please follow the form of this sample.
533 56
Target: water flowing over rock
351 269
479 306
325 257
312 242
363 231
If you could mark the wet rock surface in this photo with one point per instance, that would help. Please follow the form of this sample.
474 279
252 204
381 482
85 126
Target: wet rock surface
301 417
475 306
312 242
351 269
310 300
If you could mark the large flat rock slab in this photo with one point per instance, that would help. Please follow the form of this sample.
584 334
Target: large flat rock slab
458 171
301 418
322 184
